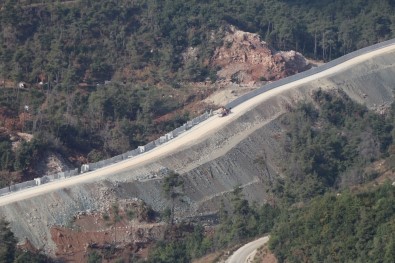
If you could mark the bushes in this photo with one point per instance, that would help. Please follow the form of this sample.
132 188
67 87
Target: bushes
243 221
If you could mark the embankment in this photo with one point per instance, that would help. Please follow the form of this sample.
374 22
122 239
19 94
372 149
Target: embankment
211 166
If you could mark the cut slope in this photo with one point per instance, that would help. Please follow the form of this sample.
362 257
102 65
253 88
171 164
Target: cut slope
213 157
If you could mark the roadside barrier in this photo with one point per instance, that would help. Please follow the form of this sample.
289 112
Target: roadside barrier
38 181
103 163
188 125
149 146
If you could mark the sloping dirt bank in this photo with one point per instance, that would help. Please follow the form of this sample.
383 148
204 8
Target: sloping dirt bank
213 158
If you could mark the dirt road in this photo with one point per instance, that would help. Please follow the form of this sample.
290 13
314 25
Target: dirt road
247 252
186 139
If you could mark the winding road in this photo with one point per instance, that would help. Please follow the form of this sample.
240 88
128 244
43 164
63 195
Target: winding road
246 253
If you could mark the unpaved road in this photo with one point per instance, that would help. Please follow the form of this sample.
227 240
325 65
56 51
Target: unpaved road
247 252
186 139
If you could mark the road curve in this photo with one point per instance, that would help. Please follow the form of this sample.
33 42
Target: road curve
242 254
186 139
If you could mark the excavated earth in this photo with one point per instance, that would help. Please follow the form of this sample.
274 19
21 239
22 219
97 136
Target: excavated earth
211 167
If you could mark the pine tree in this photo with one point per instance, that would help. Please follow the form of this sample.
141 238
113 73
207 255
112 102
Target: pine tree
7 242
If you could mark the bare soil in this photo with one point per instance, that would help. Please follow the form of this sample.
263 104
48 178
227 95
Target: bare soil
100 232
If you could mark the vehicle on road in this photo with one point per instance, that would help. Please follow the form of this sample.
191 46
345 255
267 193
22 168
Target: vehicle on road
223 111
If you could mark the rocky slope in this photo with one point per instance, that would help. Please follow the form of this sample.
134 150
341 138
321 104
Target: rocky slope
211 167
245 59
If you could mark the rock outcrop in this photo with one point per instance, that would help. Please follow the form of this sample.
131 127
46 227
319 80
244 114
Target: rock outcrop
245 59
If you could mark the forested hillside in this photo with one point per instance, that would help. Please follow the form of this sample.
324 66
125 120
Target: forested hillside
344 228
91 79
82 41
332 144
333 202
100 75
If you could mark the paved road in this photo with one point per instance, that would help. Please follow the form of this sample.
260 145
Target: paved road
247 251
188 138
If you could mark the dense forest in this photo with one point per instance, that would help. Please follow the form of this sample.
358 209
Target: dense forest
334 145
100 75
68 42
346 227
314 216
349 227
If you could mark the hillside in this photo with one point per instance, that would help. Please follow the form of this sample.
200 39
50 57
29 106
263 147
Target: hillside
349 226
84 80
211 166
105 120
92 41
90 79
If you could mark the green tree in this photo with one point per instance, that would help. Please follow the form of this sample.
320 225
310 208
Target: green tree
7 242
348 227
173 189
29 152
174 251
94 257
241 214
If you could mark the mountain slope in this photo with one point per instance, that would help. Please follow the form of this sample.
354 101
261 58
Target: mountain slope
211 165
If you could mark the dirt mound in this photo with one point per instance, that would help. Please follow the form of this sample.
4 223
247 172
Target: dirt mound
245 59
